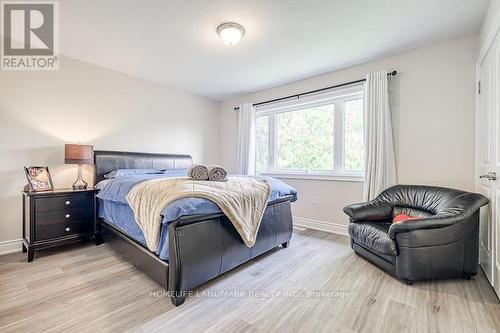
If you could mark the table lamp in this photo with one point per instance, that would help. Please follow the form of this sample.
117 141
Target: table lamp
79 154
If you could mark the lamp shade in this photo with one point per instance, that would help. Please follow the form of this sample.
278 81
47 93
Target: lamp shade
78 154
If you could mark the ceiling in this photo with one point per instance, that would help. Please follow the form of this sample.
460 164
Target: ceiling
174 42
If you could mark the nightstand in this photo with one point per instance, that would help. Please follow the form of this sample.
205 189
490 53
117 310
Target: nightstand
58 217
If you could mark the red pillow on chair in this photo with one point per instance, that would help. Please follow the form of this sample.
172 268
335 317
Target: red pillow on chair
403 217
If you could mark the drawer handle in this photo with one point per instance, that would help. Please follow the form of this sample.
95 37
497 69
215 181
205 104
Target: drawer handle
68 203
68 229
68 216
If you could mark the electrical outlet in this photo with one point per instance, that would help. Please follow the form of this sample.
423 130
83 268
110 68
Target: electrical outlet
314 200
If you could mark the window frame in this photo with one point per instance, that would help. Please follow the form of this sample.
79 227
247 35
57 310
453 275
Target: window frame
337 97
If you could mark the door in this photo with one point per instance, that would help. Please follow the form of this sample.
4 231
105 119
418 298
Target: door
488 163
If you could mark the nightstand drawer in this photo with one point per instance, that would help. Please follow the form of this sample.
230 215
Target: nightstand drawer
63 202
64 216
61 230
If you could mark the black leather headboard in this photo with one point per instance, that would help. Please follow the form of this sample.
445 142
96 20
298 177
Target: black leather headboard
107 161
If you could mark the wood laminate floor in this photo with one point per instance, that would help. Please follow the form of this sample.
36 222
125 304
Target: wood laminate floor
316 285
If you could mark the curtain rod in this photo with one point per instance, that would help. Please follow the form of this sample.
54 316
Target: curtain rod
393 73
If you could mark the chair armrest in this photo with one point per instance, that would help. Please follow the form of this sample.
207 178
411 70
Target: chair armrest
374 210
438 236
434 222
461 210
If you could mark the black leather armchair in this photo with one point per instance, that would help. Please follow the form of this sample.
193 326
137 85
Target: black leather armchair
442 243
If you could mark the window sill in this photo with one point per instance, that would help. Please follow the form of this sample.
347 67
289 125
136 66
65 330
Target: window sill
309 176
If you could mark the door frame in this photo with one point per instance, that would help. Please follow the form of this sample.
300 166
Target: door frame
483 52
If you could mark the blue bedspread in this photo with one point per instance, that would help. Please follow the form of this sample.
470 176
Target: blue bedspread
113 206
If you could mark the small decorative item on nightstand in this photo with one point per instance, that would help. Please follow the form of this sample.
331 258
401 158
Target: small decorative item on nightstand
58 217
79 154
38 179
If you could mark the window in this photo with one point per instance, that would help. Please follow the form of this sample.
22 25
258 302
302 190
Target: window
319 135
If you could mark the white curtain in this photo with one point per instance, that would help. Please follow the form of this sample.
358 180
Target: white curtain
246 140
380 163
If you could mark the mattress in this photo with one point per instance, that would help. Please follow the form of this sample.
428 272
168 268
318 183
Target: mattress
121 216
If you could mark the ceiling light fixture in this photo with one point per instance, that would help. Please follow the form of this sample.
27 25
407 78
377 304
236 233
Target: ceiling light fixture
230 33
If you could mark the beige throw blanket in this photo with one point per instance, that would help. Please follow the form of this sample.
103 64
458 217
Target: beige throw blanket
242 199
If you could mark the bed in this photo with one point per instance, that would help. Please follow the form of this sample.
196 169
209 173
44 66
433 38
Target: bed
197 241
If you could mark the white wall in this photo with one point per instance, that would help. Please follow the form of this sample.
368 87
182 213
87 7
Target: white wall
40 111
490 25
433 119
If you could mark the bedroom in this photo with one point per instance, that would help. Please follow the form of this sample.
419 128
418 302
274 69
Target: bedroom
289 102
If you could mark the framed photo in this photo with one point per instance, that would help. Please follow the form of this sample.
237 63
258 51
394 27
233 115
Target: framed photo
39 179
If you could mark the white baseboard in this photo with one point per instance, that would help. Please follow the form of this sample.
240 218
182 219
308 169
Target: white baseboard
298 227
335 228
11 246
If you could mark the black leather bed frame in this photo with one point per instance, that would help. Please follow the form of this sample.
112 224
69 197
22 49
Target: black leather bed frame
201 247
